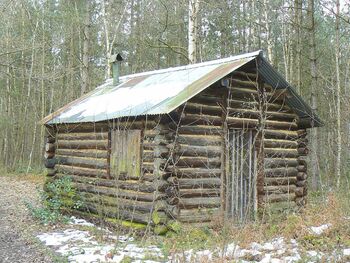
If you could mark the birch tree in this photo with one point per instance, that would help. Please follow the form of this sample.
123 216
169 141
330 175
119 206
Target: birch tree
193 9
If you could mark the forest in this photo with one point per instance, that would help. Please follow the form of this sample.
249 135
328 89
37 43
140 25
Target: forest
56 50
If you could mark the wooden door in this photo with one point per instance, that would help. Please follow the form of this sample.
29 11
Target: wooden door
241 177
125 156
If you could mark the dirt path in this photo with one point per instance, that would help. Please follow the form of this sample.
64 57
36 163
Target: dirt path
17 228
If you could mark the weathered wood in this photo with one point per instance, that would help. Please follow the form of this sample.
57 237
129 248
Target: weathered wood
114 212
192 183
50 163
196 202
200 129
255 114
82 144
280 162
197 162
302 168
198 108
120 193
94 153
192 150
301 183
299 192
67 169
279 189
199 192
280 134
235 103
289 171
82 136
274 143
194 172
252 123
302 176
197 215
303 151
49 155
200 119
280 153
50 147
280 180
199 140
82 162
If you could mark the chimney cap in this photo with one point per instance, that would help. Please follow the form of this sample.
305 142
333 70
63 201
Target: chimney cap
116 58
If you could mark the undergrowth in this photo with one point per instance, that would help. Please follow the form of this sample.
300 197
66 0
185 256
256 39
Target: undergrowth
57 196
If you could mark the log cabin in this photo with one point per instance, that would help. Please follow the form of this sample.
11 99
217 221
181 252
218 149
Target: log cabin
224 139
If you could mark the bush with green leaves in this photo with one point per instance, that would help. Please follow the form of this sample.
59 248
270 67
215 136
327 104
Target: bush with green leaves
58 195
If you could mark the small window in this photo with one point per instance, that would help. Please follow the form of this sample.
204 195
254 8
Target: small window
125 156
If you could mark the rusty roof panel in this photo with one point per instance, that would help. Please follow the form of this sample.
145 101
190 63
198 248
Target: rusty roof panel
155 92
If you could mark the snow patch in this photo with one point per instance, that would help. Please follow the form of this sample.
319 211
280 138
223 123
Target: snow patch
318 230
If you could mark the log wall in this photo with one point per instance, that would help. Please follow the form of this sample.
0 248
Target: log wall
82 152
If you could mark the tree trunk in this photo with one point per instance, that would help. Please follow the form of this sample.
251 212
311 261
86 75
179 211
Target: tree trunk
193 9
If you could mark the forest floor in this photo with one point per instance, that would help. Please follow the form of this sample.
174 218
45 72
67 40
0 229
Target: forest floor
319 234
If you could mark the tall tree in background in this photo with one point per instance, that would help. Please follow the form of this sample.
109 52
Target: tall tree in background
313 70
193 9
338 92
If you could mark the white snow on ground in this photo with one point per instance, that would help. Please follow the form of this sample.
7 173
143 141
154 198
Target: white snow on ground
318 230
82 246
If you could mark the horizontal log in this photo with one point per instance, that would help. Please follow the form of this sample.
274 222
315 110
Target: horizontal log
82 136
206 99
200 119
82 162
197 202
253 94
200 129
199 140
252 123
198 108
280 162
279 189
84 127
280 180
94 153
280 134
197 162
50 147
191 150
273 198
244 75
243 104
199 183
126 204
199 192
67 169
194 172
256 114
139 186
278 172
197 215
128 194
85 144
115 213
280 153
274 143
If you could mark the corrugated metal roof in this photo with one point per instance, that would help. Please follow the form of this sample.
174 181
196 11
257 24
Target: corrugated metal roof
162 91
154 92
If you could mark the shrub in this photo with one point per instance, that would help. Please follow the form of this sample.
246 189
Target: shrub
58 195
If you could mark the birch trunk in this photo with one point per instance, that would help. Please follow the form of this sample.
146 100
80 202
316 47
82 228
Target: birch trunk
193 9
